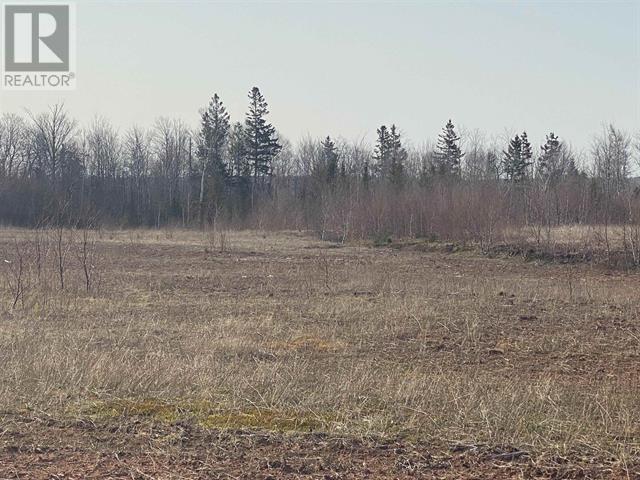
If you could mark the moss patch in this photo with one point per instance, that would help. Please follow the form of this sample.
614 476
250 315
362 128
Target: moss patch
209 415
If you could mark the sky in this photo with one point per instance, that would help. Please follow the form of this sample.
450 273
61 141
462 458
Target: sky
342 69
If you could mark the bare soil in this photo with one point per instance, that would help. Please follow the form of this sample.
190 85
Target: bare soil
48 449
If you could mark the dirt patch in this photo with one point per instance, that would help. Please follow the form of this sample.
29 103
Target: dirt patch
46 449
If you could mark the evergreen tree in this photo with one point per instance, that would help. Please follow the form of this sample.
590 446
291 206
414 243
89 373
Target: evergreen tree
381 153
330 159
572 170
389 154
527 152
517 158
261 140
448 154
366 174
214 130
511 159
549 160
398 156
237 152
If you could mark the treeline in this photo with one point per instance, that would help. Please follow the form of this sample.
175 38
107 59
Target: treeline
244 174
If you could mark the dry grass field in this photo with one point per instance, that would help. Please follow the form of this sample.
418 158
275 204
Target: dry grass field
251 355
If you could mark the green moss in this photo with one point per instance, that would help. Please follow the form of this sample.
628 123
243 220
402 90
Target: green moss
209 415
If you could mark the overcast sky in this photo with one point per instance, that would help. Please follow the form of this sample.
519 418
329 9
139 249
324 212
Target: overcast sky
345 68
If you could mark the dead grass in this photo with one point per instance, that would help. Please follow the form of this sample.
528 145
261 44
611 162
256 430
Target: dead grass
577 238
282 332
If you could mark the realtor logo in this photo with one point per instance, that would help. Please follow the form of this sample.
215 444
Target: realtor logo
38 46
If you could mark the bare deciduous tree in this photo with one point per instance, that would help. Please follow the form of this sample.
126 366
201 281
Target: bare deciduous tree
611 157
53 132
103 149
13 138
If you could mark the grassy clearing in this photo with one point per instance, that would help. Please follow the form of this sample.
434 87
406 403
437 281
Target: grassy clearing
282 332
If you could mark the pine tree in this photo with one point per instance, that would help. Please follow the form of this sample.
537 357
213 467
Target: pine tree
527 152
330 159
366 174
213 137
398 156
572 170
448 154
517 158
548 162
382 151
214 131
261 139
511 159
237 152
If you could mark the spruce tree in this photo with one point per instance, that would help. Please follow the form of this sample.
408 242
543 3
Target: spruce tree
511 158
381 153
448 154
527 152
572 170
398 156
330 159
517 158
549 157
366 174
237 152
261 140
214 129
